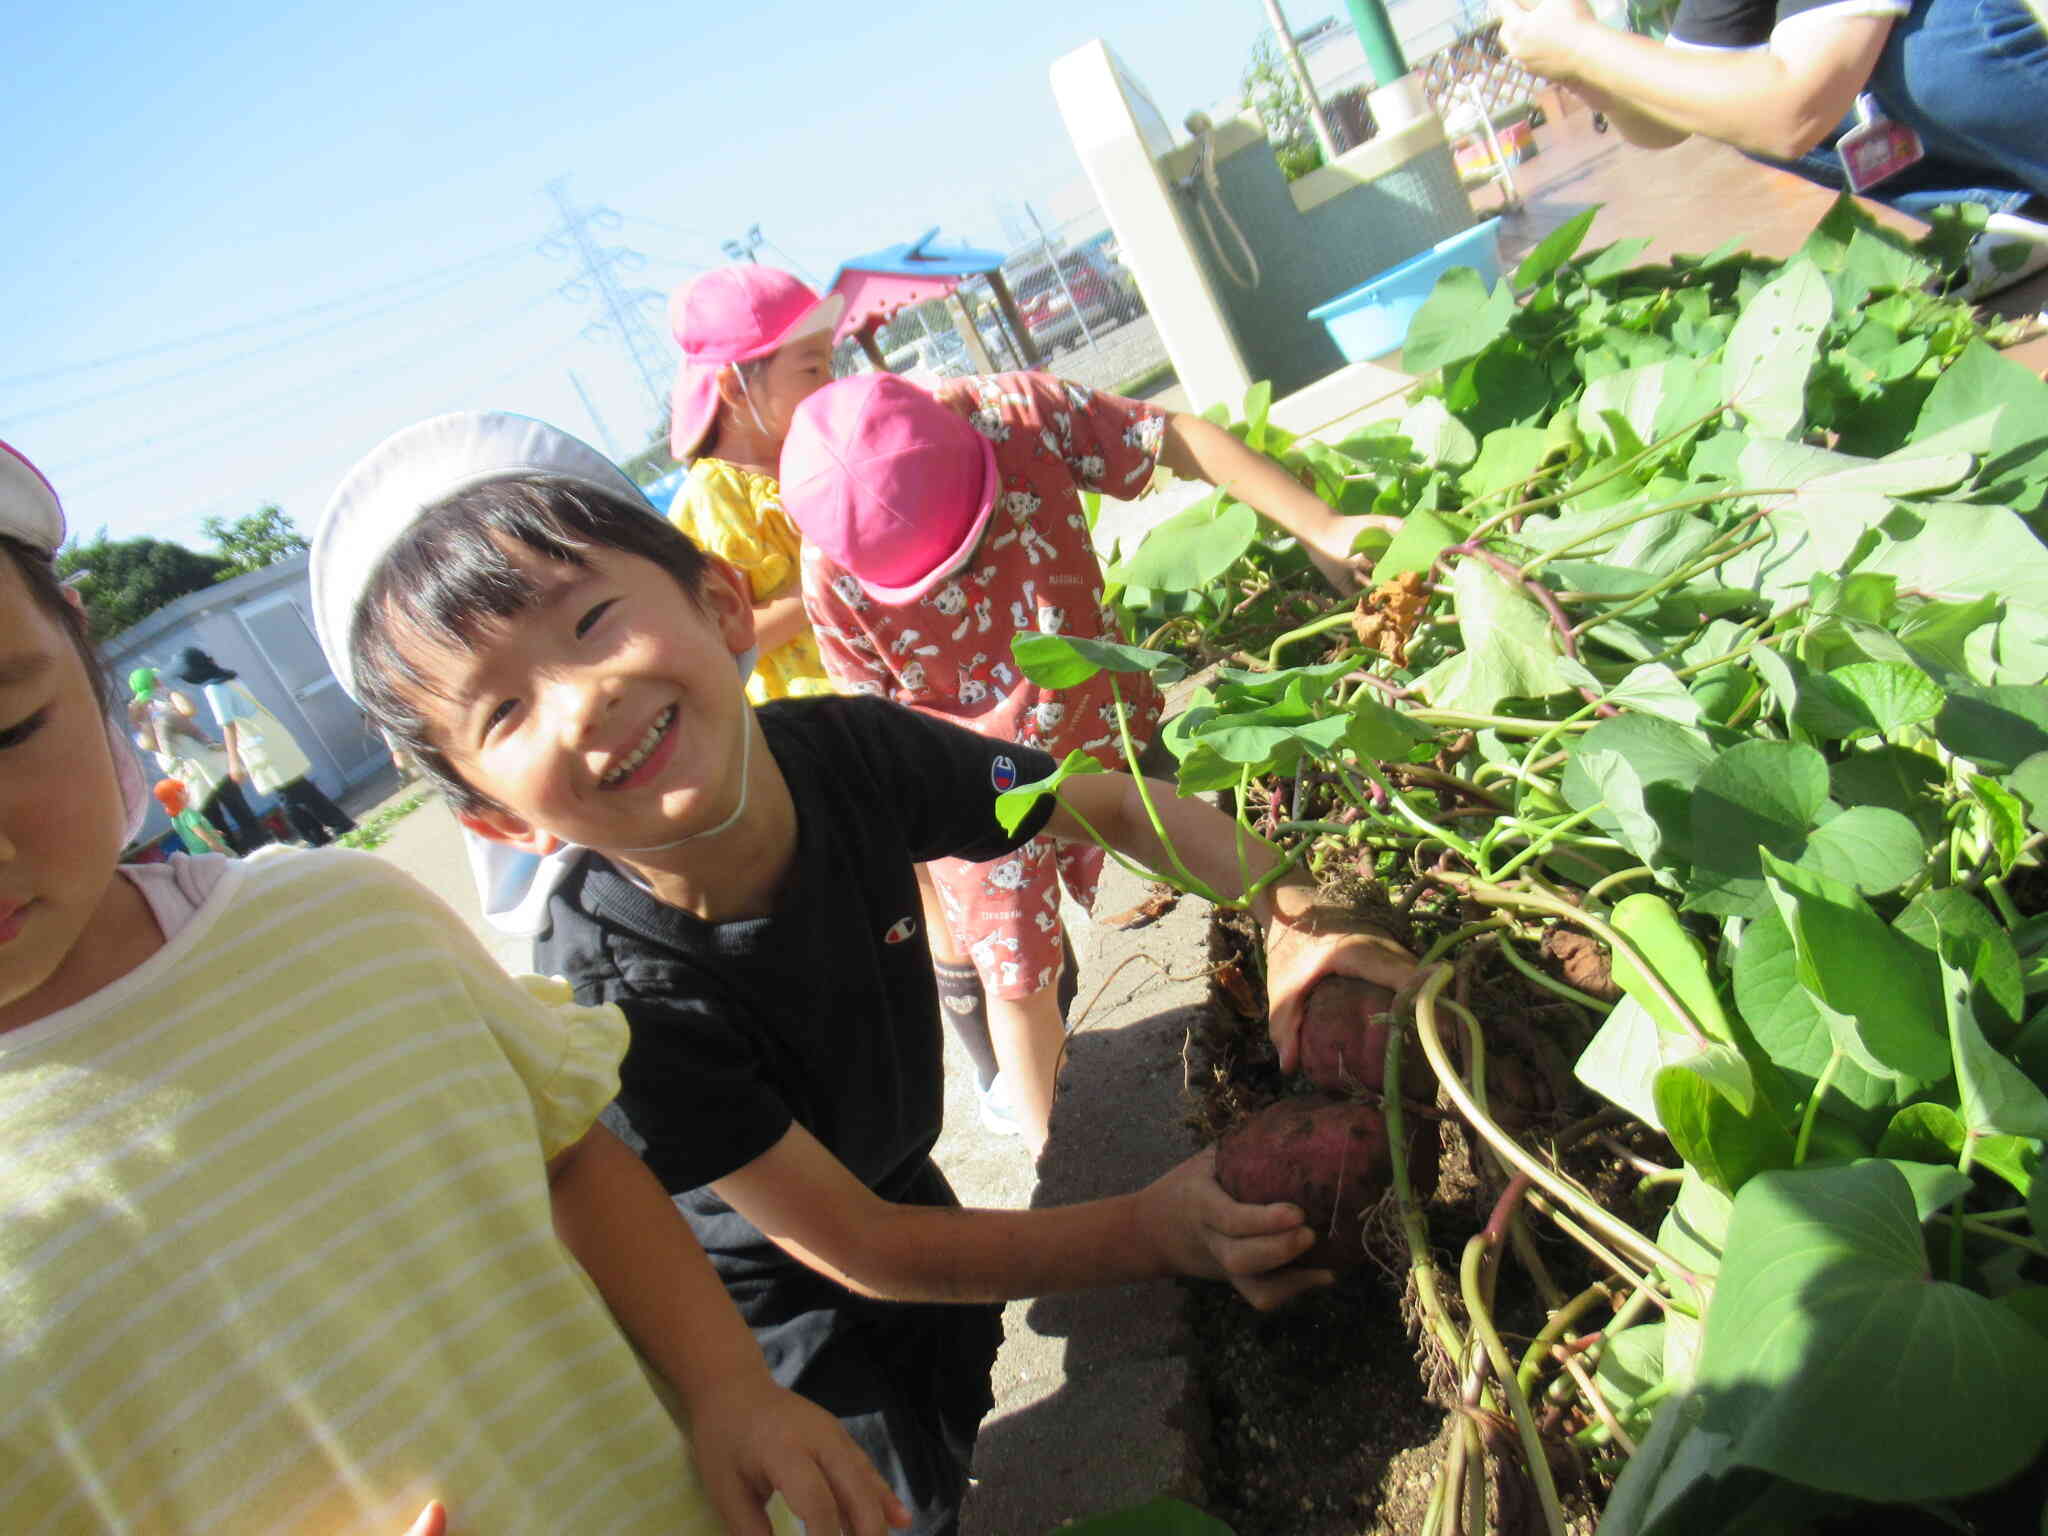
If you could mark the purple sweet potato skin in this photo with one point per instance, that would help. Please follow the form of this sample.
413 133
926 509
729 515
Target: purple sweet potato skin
1344 1042
1327 1155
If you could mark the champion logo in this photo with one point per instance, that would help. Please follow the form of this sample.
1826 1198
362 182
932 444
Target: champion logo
900 930
1002 773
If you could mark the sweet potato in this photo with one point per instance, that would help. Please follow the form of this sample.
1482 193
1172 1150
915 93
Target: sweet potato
1344 1042
1327 1155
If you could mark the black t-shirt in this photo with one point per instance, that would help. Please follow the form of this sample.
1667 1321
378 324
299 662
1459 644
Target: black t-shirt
824 1012
1748 23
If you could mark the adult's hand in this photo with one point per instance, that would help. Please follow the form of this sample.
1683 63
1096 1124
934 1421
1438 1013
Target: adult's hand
1547 37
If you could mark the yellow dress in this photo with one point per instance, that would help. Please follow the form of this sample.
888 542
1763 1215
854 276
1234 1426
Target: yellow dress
737 515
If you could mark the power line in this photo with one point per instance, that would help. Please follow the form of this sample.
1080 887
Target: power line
194 435
283 318
622 310
124 391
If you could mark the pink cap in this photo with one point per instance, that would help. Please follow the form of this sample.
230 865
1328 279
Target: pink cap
732 315
888 482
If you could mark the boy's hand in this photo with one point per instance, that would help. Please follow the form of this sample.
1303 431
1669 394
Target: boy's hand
1201 1231
1306 941
753 1438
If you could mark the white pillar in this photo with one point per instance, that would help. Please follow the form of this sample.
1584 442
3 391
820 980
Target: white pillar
1120 136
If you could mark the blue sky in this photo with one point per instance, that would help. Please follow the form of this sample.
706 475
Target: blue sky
245 241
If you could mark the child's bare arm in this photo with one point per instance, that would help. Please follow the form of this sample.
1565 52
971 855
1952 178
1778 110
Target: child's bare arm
1196 449
779 621
751 1437
808 1202
1304 942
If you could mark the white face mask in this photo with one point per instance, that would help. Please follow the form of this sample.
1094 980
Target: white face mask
739 373
746 661
513 885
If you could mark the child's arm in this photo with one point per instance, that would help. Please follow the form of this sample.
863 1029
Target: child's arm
207 834
1183 1223
750 1436
779 621
1196 449
1304 942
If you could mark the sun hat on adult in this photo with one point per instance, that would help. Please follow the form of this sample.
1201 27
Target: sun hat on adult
733 315
889 483
199 668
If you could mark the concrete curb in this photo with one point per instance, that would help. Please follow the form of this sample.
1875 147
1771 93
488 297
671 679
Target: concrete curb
1097 1406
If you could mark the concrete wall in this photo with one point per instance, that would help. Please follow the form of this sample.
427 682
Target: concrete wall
1383 202
258 626
1315 238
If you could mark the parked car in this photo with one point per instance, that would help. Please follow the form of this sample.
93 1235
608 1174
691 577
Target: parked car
1042 302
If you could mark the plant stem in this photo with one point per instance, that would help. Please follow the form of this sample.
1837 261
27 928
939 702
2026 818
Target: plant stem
1562 1192
1123 725
1421 1262
1976 1226
1308 631
1451 941
1556 1326
1503 1370
1605 933
1569 993
1541 843
1600 887
1244 864
1642 514
1820 1090
1955 1231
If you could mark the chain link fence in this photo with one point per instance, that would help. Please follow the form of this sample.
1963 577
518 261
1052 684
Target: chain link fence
1078 304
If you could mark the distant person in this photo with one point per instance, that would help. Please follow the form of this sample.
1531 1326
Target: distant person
164 729
191 827
756 343
1781 80
262 752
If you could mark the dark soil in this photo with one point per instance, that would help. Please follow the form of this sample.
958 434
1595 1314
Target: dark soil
1321 1420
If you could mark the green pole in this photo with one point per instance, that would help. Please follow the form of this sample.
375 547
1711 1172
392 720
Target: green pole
1376 32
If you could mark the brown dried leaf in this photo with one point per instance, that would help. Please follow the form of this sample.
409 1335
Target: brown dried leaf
1159 900
1584 962
1231 978
1390 613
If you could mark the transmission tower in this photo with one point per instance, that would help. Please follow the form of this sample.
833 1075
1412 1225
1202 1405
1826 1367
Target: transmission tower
622 311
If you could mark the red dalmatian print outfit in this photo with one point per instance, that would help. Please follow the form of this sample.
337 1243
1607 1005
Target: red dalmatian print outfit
949 652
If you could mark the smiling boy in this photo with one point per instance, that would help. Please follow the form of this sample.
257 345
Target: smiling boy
564 665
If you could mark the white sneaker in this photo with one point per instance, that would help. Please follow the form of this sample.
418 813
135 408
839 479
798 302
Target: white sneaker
2009 251
997 1117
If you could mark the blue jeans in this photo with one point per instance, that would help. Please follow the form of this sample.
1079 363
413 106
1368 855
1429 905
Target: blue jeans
1971 78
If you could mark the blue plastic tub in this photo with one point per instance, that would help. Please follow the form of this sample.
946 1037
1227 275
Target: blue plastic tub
1372 319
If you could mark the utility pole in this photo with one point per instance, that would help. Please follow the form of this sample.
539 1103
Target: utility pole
622 311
